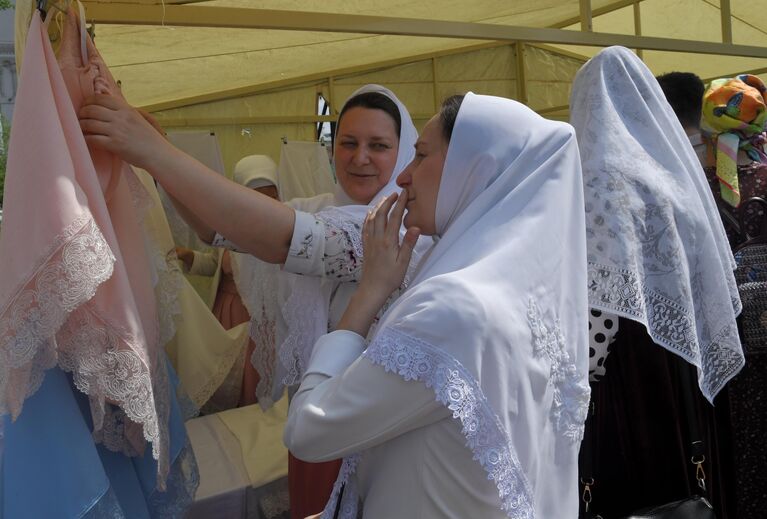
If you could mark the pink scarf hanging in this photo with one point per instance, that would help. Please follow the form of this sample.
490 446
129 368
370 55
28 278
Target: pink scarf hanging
76 288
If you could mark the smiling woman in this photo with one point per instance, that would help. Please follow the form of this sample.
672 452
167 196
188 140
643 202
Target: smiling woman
367 145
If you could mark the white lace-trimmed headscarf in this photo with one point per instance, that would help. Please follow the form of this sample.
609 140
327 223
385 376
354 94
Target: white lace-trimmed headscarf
495 320
657 250
304 301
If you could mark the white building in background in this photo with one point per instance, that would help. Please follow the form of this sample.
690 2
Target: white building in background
8 80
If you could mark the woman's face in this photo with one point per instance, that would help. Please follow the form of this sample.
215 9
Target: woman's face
421 178
365 152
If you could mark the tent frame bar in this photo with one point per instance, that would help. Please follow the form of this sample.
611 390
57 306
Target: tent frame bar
244 18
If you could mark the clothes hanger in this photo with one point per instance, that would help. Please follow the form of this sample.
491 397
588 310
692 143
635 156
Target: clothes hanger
43 5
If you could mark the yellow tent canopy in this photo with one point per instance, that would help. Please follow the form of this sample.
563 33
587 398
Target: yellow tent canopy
252 70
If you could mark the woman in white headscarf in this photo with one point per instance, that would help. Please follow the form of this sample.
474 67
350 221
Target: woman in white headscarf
374 142
257 172
470 398
660 264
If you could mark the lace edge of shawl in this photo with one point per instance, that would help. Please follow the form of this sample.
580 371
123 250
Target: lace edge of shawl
456 388
668 323
48 322
169 275
204 392
300 317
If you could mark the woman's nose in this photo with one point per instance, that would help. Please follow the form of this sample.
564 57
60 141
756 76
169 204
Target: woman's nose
361 156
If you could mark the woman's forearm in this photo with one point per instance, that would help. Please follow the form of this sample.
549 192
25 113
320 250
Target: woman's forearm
205 232
256 223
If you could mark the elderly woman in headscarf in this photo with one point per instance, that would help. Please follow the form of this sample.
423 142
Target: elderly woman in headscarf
734 122
321 254
257 172
470 397
660 265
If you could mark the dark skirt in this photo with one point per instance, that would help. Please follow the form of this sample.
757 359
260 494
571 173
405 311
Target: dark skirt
639 432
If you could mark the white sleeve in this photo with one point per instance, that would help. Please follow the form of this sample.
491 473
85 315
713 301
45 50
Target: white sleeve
319 248
346 404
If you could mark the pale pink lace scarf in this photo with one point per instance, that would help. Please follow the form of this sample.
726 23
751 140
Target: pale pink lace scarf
76 288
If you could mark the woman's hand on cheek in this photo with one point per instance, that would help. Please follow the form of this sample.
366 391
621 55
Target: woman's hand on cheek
384 265
386 260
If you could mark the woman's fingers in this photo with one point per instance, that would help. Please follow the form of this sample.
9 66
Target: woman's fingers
94 127
97 113
101 141
397 214
406 249
382 213
107 101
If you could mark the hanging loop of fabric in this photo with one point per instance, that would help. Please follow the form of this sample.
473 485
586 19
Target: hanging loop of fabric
43 5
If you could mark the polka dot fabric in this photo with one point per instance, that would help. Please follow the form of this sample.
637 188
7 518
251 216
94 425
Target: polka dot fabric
602 330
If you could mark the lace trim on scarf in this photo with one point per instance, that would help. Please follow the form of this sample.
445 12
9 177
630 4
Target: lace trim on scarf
204 392
173 503
349 508
571 393
175 500
264 334
668 323
257 284
414 359
78 261
301 313
48 322
106 366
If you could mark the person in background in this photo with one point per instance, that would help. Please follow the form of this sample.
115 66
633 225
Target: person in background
734 122
660 262
684 92
257 172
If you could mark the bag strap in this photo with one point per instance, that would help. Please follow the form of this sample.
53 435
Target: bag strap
695 439
587 457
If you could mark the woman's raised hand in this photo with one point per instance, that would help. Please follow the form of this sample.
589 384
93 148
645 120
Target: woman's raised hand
384 264
111 123
386 259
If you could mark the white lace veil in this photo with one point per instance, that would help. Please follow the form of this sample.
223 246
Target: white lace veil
657 251
495 320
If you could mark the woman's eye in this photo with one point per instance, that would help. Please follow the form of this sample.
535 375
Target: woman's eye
379 146
348 144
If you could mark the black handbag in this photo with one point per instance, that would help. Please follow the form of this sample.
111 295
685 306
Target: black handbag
693 507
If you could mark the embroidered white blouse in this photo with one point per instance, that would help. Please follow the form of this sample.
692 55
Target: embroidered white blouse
319 248
416 464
